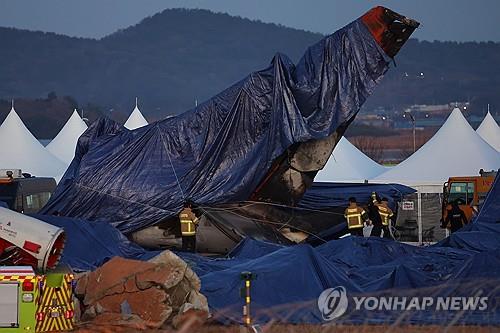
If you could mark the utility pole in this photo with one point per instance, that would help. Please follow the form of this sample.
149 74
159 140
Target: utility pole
412 119
414 144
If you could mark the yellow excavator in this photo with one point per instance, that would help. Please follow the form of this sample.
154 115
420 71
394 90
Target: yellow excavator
469 192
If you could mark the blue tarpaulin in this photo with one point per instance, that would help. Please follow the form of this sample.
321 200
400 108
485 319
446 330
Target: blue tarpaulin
89 245
328 195
222 150
290 279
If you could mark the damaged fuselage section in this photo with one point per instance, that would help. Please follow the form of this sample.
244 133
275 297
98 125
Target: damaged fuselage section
261 140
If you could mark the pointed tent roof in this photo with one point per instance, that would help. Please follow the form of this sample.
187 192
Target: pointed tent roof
348 164
136 119
490 131
64 144
19 149
455 150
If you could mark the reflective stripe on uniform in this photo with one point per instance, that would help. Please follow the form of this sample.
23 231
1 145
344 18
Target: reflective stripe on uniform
187 228
353 217
188 222
385 214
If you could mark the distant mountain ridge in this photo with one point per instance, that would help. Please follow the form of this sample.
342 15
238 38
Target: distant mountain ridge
173 58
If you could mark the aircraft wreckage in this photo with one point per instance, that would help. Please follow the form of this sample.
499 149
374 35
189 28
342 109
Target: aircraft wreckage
244 156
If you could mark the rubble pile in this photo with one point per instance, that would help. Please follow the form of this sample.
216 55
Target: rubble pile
142 295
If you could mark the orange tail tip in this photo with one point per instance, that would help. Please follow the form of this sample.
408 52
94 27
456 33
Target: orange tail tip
390 29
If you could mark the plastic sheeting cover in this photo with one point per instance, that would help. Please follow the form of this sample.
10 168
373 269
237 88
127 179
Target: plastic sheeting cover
89 245
290 279
221 150
326 195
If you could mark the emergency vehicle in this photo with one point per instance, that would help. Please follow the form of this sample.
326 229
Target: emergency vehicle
31 302
56 306
18 301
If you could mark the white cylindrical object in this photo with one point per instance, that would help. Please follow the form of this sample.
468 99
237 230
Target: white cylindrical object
41 240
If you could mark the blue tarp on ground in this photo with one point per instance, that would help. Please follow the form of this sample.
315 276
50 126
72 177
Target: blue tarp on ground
222 150
89 245
290 279
327 195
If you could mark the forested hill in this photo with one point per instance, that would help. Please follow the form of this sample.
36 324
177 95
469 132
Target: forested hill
168 60
178 56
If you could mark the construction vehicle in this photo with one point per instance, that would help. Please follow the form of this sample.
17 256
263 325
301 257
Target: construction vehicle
22 192
31 301
469 192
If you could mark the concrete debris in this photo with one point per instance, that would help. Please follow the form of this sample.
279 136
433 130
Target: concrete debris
143 295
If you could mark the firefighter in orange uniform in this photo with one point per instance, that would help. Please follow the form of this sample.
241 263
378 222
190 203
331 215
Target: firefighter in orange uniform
355 217
189 222
386 215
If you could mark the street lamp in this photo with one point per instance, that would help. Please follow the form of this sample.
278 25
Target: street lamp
412 119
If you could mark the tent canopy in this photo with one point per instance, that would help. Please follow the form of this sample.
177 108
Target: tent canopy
455 150
19 149
64 144
136 119
490 131
348 164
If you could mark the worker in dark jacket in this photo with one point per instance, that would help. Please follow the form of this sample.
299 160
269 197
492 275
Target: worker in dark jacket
374 215
355 216
189 222
455 217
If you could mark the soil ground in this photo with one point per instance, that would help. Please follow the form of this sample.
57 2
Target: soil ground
281 328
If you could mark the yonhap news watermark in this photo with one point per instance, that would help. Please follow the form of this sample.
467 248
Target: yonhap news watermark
334 302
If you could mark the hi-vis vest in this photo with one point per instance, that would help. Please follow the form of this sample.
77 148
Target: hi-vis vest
353 217
188 220
385 214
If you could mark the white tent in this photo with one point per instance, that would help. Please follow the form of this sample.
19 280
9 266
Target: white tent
19 149
455 150
348 164
64 144
490 131
136 119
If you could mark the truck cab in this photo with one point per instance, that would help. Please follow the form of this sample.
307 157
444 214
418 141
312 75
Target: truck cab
470 193
22 192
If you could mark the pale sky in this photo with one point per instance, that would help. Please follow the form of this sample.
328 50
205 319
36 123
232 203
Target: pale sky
456 20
